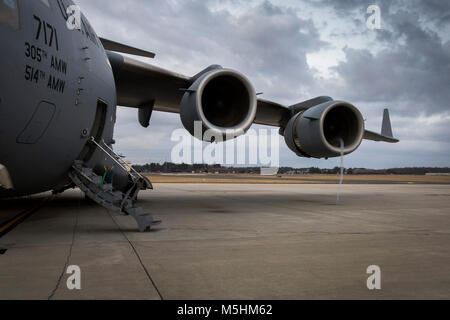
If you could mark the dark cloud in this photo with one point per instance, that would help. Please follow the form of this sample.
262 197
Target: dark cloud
267 42
407 68
347 8
413 68
436 11
406 65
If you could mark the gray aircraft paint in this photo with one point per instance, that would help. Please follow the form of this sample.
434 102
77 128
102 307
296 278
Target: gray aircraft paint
42 119
53 84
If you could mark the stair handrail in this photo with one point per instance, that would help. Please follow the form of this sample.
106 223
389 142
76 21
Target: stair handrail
107 153
124 162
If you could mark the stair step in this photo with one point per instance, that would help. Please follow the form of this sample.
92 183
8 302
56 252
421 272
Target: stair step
136 211
87 171
118 195
97 179
111 199
107 187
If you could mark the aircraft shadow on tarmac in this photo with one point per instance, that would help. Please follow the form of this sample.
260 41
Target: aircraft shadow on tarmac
192 205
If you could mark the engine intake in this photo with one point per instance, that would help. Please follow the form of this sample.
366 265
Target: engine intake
317 132
223 100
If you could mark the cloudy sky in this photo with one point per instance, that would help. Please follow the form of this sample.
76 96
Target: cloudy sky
293 50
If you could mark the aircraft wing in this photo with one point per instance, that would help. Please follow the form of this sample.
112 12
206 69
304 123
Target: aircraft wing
140 85
386 131
120 47
370 135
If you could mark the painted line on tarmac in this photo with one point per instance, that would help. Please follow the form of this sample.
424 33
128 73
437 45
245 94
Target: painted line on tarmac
21 217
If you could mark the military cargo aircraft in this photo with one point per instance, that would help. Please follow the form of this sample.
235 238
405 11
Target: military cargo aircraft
60 85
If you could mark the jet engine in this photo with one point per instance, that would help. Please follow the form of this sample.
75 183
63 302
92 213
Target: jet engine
222 102
321 131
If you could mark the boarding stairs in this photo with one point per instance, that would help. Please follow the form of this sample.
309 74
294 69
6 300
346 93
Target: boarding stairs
96 188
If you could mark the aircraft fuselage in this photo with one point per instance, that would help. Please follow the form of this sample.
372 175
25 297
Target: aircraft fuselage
56 91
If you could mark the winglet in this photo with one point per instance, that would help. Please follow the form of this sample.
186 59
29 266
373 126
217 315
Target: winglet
386 131
386 128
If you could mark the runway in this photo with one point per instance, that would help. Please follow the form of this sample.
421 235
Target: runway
236 241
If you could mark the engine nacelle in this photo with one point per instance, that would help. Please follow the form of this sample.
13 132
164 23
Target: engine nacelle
223 100
317 132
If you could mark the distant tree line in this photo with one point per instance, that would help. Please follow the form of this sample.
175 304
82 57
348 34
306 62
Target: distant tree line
169 167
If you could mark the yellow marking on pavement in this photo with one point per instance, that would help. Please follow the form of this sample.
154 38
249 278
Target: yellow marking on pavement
21 217
9 224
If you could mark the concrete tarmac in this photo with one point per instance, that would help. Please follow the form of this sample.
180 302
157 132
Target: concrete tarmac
236 241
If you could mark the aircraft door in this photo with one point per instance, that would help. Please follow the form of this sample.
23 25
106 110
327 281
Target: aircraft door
96 131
